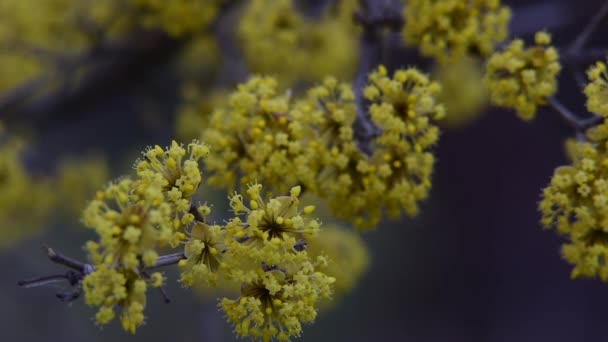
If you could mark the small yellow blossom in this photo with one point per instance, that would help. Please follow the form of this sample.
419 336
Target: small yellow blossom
597 89
522 78
576 204
448 29
277 39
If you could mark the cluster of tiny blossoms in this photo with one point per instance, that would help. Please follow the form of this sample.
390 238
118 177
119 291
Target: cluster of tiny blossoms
281 285
277 39
576 200
253 138
404 108
576 204
450 29
265 136
597 89
262 247
134 217
522 78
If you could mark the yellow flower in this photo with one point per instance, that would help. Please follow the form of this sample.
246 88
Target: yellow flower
597 89
253 138
277 302
203 253
576 204
449 29
522 78
277 39
107 287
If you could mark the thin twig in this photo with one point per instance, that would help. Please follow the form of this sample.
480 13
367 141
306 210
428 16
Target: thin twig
585 56
66 261
80 269
575 56
578 124
583 36
161 289
166 260
41 281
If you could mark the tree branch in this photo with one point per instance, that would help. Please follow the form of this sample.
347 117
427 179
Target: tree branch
374 17
585 34
166 260
579 125
79 269
65 261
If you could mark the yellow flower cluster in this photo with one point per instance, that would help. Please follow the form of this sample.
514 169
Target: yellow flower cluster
277 39
404 108
597 89
281 283
25 201
522 78
449 29
576 200
177 17
277 302
178 176
576 204
203 252
326 116
108 287
133 218
129 224
262 248
264 137
252 138
462 90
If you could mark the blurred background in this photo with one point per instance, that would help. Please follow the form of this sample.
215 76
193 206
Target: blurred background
475 265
